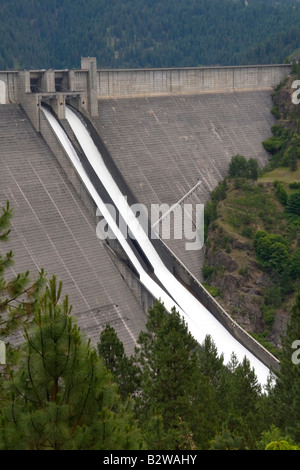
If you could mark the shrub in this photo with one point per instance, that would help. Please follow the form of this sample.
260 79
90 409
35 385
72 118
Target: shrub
273 144
281 194
238 167
271 250
207 271
295 264
293 204
275 112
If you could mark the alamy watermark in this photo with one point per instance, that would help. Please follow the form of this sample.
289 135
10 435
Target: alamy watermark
296 94
2 353
296 354
179 222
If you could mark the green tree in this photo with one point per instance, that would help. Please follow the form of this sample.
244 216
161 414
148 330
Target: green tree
238 167
271 250
270 435
212 366
253 169
277 142
125 372
172 386
18 295
293 157
294 266
286 393
243 420
226 440
279 256
293 205
61 396
246 388
281 445
281 194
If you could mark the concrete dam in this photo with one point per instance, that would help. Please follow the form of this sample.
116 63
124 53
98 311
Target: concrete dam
166 135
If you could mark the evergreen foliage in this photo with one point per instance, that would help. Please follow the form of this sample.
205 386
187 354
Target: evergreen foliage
187 397
125 372
293 205
61 396
285 395
240 167
139 33
172 387
17 294
271 250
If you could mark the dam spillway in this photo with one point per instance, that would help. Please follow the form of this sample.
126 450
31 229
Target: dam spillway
160 145
198 319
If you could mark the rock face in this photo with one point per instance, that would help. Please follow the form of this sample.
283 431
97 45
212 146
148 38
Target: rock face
240 281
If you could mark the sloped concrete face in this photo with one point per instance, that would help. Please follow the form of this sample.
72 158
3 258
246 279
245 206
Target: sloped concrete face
164 145
52 229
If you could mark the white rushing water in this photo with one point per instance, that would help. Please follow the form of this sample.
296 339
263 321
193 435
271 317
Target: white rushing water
199 320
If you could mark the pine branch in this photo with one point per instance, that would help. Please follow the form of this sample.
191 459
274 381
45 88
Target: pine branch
25 291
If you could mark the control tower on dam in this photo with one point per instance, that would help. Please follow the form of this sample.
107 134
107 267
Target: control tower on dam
169 134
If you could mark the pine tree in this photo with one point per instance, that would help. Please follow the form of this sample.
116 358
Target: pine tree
125 372
18 294
61 395
213 367
286 393
241 405
172 386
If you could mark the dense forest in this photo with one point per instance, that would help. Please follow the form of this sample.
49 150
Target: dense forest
59 393
144 33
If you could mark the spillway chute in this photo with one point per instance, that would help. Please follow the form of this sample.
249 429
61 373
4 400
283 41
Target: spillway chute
198 319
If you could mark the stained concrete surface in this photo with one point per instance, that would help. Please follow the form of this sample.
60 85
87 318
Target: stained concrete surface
164 145
52 229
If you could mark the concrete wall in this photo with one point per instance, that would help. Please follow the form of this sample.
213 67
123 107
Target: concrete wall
188 80
131 82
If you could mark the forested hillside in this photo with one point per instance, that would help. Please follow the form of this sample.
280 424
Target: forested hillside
146 33
253 225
